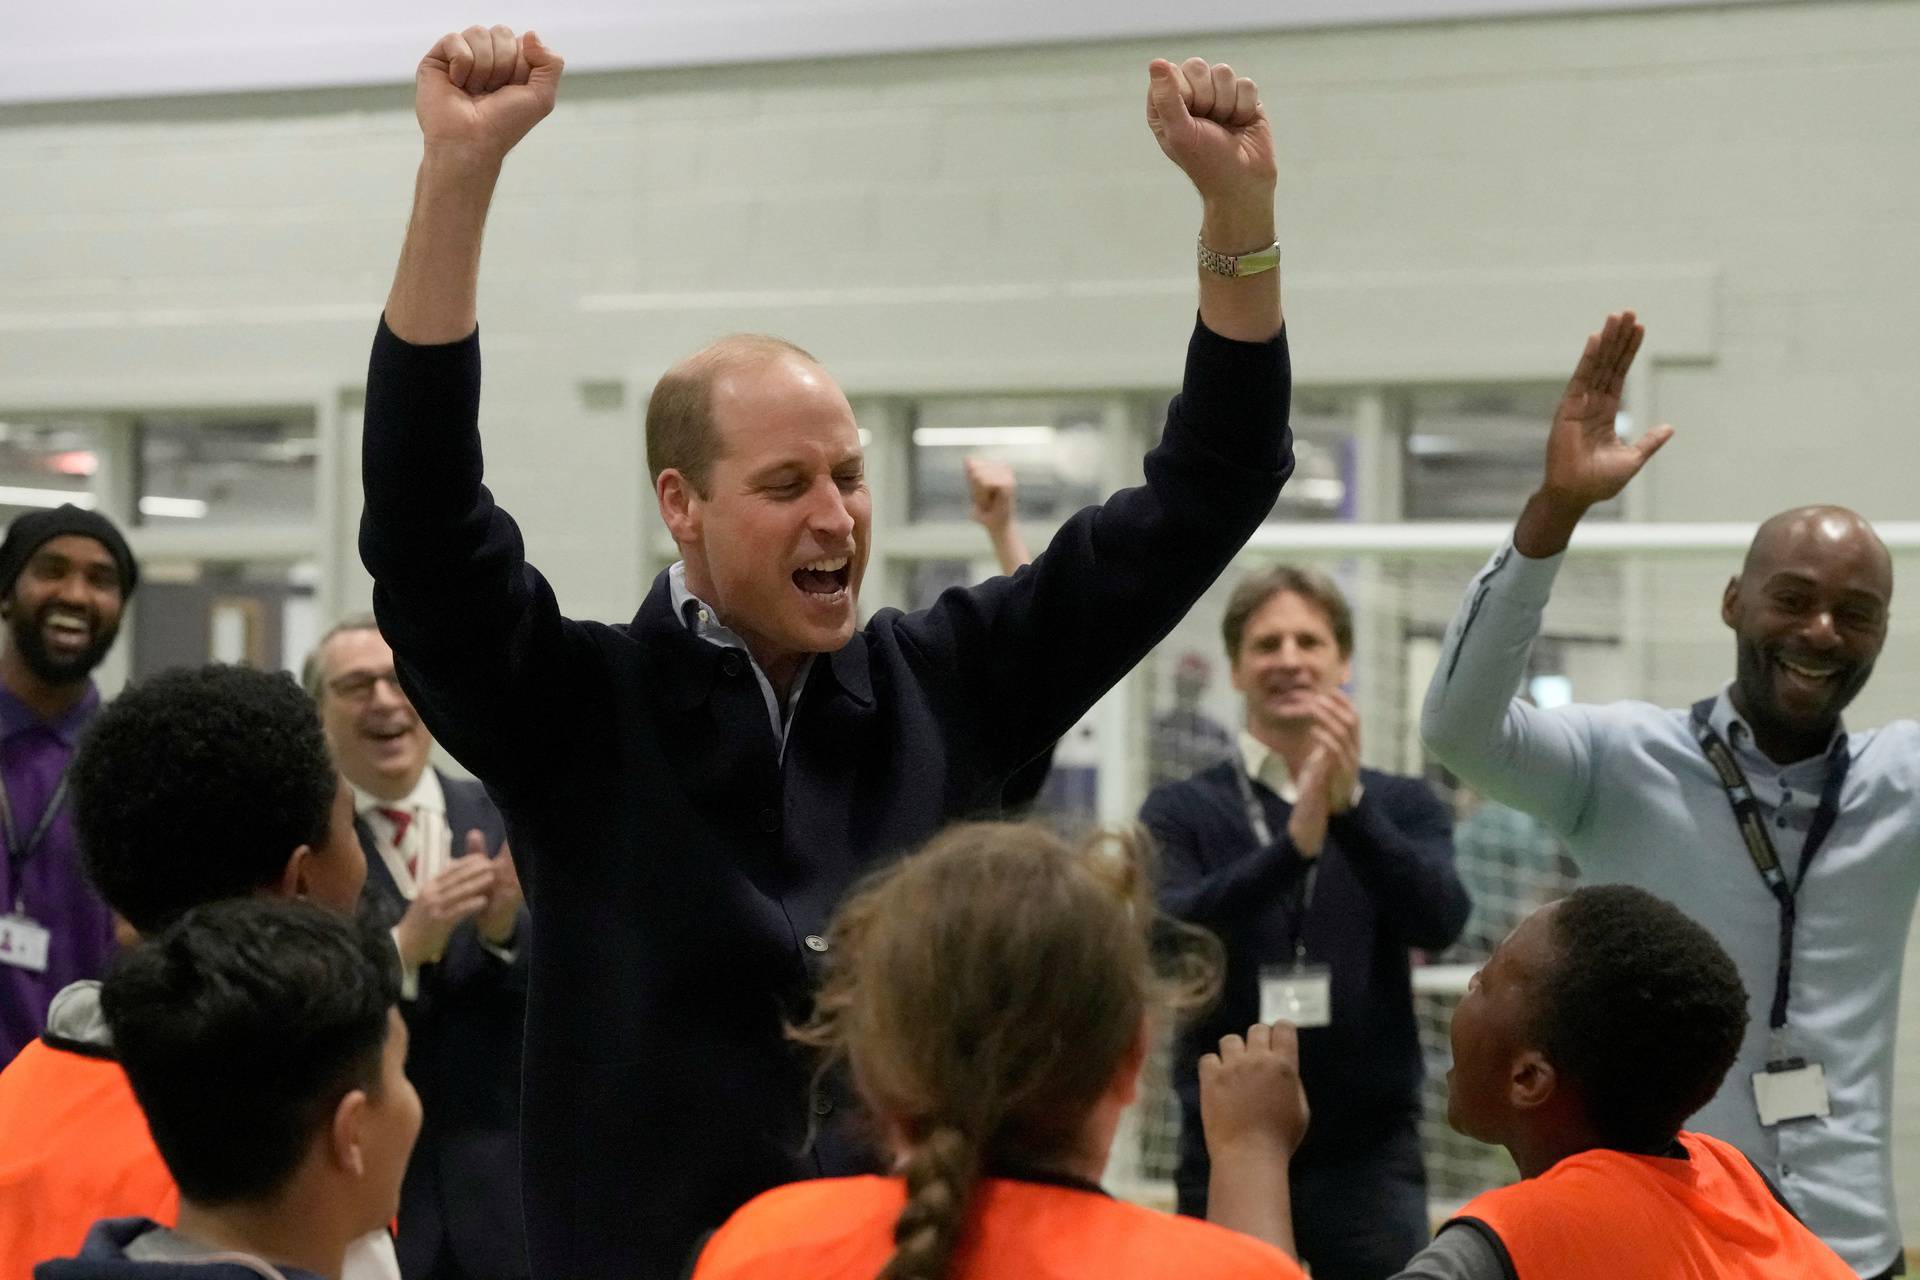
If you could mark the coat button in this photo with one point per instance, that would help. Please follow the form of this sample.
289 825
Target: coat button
731 663
816 943
769 820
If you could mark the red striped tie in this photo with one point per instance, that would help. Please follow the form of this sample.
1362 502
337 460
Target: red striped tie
401 820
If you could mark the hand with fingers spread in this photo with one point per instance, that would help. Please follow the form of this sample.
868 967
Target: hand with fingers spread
501 916
1587 461
990 492
482 89
458 892
1253 1110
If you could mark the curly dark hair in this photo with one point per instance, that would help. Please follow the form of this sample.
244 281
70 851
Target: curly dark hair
1642 1009
241 1027
198 784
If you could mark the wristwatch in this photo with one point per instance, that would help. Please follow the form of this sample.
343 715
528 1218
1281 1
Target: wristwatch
1235 265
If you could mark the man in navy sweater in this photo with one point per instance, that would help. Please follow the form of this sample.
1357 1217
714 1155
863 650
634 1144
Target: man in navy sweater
1318 875
689 794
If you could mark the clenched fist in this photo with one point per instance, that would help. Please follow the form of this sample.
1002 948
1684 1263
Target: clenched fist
1210 122
482 89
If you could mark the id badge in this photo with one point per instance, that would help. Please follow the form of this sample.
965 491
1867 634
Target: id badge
23 944
1791 1089
1301 994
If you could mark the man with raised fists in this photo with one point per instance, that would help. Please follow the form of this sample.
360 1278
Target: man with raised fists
690 793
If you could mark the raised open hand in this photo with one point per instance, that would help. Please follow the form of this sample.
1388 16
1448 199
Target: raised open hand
1210 123
1587 461
482 89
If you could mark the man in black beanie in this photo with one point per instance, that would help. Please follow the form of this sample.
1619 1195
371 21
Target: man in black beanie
65 576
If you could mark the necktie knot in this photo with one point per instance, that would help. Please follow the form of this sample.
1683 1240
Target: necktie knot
400 819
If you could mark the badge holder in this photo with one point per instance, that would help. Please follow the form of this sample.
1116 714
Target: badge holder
1298 993
1790 1088
23 942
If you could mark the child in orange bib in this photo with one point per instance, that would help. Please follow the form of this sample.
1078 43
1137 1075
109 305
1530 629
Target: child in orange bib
1591 1034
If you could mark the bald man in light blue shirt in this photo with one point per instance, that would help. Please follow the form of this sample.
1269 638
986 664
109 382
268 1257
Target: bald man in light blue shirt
1796 842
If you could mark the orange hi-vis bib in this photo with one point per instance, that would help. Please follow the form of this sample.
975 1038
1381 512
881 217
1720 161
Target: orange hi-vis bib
74 1148
842 1229
1612 1215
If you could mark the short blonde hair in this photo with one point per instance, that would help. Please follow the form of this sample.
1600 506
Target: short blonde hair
680 434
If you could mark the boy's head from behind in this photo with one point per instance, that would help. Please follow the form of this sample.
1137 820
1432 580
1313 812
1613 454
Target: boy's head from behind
263 1040
196 785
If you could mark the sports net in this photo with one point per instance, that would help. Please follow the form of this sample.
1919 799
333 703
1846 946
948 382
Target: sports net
1635 615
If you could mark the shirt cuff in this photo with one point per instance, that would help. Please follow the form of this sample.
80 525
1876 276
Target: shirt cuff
506 955
409 974
1523 579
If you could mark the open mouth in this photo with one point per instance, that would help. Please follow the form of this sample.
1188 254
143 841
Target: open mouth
1813 674
824 580
386 734
66 633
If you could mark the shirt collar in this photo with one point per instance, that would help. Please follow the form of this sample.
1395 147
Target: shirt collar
1268 767
426 794
17 717
1732 727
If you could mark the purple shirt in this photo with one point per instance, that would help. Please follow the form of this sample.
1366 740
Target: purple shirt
51 889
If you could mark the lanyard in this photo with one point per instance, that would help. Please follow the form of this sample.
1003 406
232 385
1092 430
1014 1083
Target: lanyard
1303 895
1753 830
18 854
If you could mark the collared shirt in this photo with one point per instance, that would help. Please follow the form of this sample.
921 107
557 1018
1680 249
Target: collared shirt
1627 786
426 847
1265 765
704 621
50 887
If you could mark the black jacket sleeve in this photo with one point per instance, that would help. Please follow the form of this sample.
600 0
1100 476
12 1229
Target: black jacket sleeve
477 635
1014 661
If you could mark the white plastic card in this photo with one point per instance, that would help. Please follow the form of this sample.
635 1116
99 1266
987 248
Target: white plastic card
23 944
1300 994
1791 1090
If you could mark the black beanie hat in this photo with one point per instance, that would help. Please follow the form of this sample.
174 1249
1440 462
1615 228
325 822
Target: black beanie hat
36 529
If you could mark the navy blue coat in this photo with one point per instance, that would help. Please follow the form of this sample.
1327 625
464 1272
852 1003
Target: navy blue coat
460 1204
681 876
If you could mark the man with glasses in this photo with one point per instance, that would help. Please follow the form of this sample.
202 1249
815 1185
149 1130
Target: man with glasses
440 877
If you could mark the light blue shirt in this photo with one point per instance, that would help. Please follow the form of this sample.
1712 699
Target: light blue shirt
704 621
1627 787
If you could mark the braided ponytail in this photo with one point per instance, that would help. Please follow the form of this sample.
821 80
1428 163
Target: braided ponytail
940 1173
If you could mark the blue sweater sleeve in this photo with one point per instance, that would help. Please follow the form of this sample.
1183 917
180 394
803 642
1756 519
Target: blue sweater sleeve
1199 890
1399 841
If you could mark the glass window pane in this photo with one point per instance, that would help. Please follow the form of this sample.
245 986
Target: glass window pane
1321 487
1475 453
44 463
225 470
1055 447
192 611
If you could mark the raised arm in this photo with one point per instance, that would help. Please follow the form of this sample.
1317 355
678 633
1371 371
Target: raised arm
476 94
478 638
1017 660
1507 748
992 503
1253 1110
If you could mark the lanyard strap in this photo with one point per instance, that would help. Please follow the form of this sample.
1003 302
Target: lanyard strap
1753 831
1263 833
18 853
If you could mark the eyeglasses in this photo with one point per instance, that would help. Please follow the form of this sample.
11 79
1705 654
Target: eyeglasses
359 686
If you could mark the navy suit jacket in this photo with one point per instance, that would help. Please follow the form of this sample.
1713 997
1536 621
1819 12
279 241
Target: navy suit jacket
461 1196
681 871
